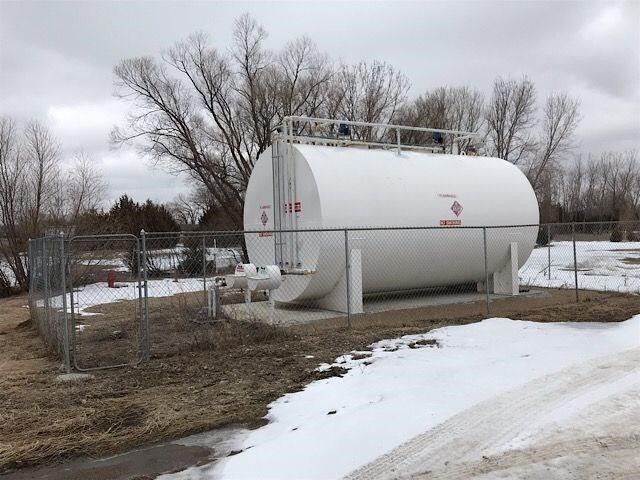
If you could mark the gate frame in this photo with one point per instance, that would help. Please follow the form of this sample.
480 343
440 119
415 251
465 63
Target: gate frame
139 314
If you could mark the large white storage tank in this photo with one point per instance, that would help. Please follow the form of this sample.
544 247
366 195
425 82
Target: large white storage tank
340 187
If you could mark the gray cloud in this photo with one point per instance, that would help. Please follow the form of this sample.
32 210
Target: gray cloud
56 58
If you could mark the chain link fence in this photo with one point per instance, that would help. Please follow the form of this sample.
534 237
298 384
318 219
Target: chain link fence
47 262
110 300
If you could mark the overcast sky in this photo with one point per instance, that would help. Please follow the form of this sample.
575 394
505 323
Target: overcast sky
56 59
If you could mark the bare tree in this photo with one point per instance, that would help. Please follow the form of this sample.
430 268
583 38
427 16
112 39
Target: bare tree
85 188
602 189
28 170
451 108
12 195
187 210
212 114
623 169
33 193
302 74
560 118
510 117
41 158
369 92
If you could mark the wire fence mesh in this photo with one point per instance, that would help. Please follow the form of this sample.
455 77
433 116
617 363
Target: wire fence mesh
109 300
105 301
47 293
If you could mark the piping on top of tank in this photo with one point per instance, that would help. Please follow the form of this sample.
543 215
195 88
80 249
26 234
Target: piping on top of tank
297 129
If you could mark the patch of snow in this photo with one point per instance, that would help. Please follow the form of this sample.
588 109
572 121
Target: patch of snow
115 264
98 293
338 424
6 270
601 264
168 259
604 266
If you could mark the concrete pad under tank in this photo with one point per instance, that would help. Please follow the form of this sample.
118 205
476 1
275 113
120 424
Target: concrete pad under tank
287 314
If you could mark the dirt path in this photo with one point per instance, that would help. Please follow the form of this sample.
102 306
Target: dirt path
580 422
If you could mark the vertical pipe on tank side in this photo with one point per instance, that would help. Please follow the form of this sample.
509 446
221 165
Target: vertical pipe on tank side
278 208
347 272
294 214
288 202
549 251
275 184
486 269
575 259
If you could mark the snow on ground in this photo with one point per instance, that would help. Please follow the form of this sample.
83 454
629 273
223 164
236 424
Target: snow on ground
337 425
115 264
170 258
167 259
93 294
6 270
605 266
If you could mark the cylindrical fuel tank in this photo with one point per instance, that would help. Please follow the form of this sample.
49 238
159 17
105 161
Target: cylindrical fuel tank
352 188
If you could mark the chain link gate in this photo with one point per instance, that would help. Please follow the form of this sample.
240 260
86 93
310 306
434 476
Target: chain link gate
106 301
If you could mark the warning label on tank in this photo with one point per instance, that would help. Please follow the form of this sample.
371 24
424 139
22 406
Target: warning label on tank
264 218
456 208
450 223
291 207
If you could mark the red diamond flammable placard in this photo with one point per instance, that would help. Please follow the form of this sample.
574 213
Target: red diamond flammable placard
456 208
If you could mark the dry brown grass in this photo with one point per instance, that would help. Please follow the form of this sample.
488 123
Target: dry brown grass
207 376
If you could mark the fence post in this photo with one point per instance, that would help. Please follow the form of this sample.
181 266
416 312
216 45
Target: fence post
73 304
575 259
65 317
549 251
29 270
204 268
347 272
146 351
486 269
45 275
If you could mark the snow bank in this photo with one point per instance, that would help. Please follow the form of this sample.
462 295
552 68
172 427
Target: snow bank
336 425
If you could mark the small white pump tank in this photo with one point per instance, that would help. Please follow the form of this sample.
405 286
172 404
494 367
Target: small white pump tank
339 187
